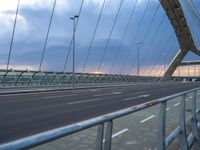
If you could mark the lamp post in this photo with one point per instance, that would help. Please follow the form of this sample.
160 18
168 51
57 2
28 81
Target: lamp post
74 18
138 57
164 62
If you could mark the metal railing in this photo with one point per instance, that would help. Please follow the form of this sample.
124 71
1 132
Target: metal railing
105 126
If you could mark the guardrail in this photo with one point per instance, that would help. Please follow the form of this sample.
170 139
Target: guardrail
105 122
34 78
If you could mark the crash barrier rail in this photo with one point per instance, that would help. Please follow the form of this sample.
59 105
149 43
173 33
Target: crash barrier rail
105 126
11 78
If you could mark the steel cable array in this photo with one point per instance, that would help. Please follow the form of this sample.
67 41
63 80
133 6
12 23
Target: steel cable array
109 37
93 36
123 37
144 38
151 42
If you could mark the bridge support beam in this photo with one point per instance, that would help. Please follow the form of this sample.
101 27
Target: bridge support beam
177 18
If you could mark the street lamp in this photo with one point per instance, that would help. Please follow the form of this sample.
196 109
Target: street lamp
74 18
164 62
138 57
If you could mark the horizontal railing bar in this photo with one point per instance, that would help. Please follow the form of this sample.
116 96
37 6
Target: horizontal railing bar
191 137
172 136
54 134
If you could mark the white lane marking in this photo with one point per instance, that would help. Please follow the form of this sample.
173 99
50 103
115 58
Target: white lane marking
168 109
142 121
84 101
176 104
105 94
140 96
190 97
115 93
58 96
118 133
94 90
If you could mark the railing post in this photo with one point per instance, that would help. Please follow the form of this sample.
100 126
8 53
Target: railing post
99 139
161 127
108 136
183 136
195 130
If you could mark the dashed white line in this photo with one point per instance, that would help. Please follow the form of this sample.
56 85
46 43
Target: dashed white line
176 104
59 96
118 133
142 121
105 94
85 101
168 109
94 90
132 98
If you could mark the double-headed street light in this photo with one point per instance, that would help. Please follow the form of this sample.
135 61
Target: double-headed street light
138 57
74 19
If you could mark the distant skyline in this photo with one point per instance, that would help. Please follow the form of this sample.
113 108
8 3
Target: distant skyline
33 19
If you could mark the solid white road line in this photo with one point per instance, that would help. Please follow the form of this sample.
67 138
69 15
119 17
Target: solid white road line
176 104
85 101
142 121
140 96
58 96
118 133
36 93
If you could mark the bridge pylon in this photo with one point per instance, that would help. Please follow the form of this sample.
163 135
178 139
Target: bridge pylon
177 18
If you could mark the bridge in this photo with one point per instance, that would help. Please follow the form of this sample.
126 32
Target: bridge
100 74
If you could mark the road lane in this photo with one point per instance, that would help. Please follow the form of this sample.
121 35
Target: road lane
31 114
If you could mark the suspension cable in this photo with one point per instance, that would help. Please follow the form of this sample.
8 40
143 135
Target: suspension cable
112 29
123 37
47 35
70 46
93 36
13 34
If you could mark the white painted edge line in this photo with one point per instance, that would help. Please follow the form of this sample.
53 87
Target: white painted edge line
168 109
118 133
36 93
58 96
84 101
148 118
176 104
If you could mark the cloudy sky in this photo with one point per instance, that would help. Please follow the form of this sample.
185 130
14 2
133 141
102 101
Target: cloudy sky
154 30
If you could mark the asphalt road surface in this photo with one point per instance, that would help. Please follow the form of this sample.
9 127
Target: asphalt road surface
26 114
